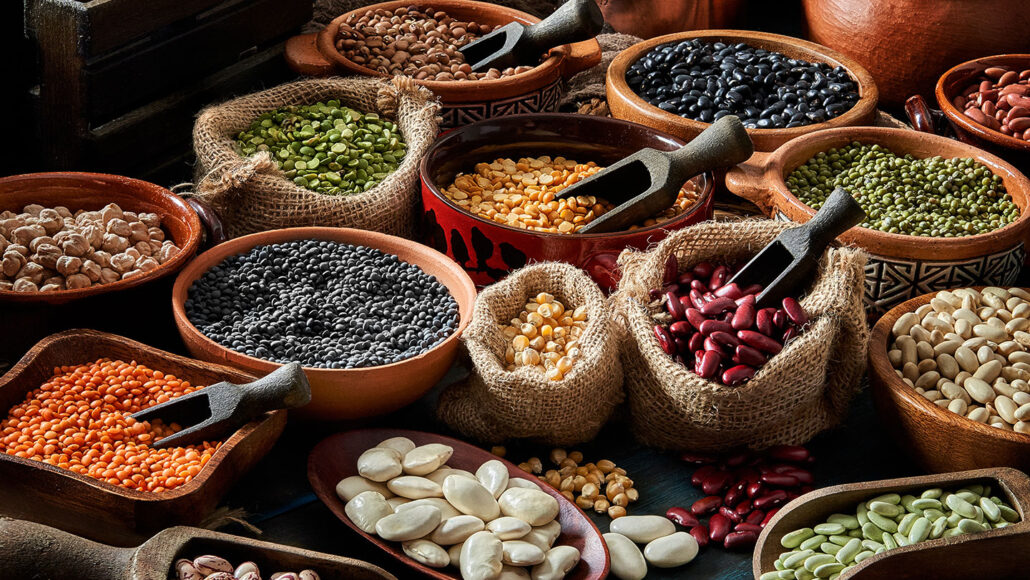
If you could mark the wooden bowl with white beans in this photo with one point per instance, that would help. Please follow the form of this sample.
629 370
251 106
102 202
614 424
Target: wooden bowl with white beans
956 392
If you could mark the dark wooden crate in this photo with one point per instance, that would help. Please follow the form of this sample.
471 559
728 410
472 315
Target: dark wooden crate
119 82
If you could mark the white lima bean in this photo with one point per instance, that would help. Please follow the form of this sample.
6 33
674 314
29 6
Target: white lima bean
494 477
513 573
426 552
446 509
401 444
410 524
470 497
518 553
350 487
670 551
643 529
367 508
456 530
627 561
978 364
414 487
531 506
481 557
509 528
426 459
380 464
557 563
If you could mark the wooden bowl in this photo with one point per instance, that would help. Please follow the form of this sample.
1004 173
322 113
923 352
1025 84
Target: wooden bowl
626 104
92 191
35 551
489 250
917 561
537 90
900 266
937 438
907 44
98 510
340 393
336 458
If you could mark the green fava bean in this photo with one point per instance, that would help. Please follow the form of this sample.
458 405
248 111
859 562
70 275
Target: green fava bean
795 538
829 529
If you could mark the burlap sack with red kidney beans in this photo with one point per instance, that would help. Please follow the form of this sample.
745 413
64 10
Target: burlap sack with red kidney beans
801 391
252 195
495 404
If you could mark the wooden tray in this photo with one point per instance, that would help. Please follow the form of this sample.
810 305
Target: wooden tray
35 551
336 458
936 559
98 510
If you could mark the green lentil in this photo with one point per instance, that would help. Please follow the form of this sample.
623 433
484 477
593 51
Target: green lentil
816 557
327 147
933 197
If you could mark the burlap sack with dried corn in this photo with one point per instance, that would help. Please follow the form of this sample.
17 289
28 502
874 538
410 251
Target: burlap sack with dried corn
801 391
495 404
251 194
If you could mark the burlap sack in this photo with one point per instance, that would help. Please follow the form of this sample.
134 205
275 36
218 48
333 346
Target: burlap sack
801 391
496 404
251 194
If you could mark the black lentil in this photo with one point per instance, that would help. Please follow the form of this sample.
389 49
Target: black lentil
323 304
767 90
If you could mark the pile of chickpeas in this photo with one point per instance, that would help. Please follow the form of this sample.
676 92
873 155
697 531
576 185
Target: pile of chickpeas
545 335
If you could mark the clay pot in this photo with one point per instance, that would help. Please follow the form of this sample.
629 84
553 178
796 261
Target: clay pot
339 393
538 90
907 44
488 250
937 439
650 18
625 104
900 266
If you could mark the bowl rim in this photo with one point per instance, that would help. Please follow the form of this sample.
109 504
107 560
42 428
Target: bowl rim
463 91
193 272
955 116
191 487
869 94
880 367
707 178
774 165
107 180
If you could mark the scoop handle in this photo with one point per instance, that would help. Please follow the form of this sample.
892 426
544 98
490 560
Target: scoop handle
723 144
574 21
32 550
285 388
837 215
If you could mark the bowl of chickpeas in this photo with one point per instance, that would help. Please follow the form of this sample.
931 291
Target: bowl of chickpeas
488 194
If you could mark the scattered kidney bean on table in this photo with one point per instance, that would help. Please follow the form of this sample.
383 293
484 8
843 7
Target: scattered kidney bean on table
702 320
999 100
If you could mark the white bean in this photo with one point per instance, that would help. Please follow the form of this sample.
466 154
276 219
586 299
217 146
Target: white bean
367 508
627 561
426 552
426 459
481 557
671 551
470 497
380 464
557 563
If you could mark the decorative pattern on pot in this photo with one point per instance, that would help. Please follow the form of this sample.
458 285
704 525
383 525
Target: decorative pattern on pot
544 100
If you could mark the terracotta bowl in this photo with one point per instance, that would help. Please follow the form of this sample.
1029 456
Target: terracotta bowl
538 90
626 104
488 250
907 44
340 393
900 267
98 510
92 191
954 558
937 438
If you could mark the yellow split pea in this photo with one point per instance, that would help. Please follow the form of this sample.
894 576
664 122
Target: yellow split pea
545 335
522 194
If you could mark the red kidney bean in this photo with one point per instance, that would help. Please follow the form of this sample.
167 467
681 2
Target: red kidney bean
665 340
696 299
674 306
719 277
743 508
749 474
685 279
715 483
755 289
654 294
790 334
682 517
802 475
794 311
717 306
710 344
755 518
773 498
706 505
746 527
674 288
778 468
709 364
695 318
701 473
696 342
724 339
759 341
737 375
709 326
731 515
739 540
671 267
780 319
780 479
682 345
731 291
754 489
763 321
681 328
699 285
703 270
735 494
686 302
700 533
795 453
747 355
768 516
744 317
737 459
718 527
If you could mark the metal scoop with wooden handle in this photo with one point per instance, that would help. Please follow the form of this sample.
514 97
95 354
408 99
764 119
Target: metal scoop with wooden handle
648 182
516 44
220 409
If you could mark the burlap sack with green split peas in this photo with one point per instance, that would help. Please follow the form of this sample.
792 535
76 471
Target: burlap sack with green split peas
252 195
803 390
496 404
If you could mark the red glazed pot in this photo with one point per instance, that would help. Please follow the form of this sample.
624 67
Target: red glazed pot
488 250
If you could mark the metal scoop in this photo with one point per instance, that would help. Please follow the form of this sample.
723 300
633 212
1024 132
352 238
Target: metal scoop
788 262
219 409
517 44
648 181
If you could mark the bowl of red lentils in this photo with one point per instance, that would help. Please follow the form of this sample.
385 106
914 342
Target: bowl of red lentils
72 457
488 194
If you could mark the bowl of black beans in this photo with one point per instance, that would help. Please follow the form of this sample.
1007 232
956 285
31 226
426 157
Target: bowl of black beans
939 213
374 319
780 87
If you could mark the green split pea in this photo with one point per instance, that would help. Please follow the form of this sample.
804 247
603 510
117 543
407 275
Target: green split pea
326 147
